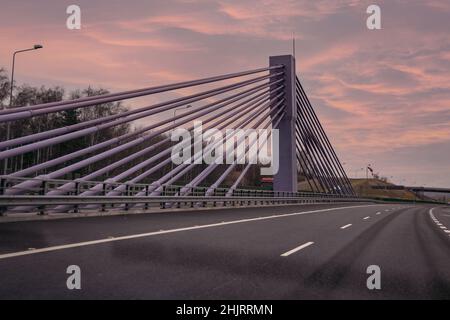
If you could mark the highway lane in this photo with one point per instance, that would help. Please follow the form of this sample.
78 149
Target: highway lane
320 253
17 236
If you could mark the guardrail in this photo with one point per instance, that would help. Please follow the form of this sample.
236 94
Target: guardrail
44 202
127 195
9 183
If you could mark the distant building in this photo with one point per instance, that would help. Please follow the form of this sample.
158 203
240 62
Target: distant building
267 183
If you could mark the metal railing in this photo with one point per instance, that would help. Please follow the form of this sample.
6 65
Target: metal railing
38 200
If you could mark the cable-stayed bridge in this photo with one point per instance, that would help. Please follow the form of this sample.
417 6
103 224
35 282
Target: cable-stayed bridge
269 98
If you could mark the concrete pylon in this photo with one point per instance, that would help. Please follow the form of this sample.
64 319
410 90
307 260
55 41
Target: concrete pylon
286 178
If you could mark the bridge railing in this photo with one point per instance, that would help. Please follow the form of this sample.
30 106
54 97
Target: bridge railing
47 185
39 199
45 204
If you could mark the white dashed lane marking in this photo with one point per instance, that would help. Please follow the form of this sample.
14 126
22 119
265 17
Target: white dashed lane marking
346 226
303 246
438 223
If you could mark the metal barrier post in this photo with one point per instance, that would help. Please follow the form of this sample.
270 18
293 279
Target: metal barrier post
127 193
146 194
76 192
2 192
104 194
204 195
42 192
163 204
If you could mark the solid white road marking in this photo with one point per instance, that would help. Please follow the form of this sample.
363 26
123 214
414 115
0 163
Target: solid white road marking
346 226
297 249
366 218
431 212
440 225
154 233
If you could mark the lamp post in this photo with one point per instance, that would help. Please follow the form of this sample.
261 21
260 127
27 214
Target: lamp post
8 125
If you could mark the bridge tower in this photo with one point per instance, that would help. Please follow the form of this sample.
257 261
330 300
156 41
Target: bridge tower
286 178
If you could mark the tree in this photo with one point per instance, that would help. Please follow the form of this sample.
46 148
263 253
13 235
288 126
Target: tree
26 95
4 86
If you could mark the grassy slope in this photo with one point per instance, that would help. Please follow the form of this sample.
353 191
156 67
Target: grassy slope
363 188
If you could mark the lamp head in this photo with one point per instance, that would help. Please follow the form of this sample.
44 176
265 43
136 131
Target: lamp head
37 46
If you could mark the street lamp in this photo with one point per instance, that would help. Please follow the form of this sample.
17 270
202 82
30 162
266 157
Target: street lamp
35 47
8 125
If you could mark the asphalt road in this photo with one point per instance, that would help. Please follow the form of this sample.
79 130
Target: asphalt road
293 252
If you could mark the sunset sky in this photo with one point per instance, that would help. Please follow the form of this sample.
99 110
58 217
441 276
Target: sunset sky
383 96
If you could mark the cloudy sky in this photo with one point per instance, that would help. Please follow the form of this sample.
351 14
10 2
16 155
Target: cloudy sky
383 96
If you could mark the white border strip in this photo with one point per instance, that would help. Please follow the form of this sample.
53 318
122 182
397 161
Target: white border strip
437 222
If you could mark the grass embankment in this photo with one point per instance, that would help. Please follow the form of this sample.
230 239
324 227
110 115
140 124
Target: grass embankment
364 188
